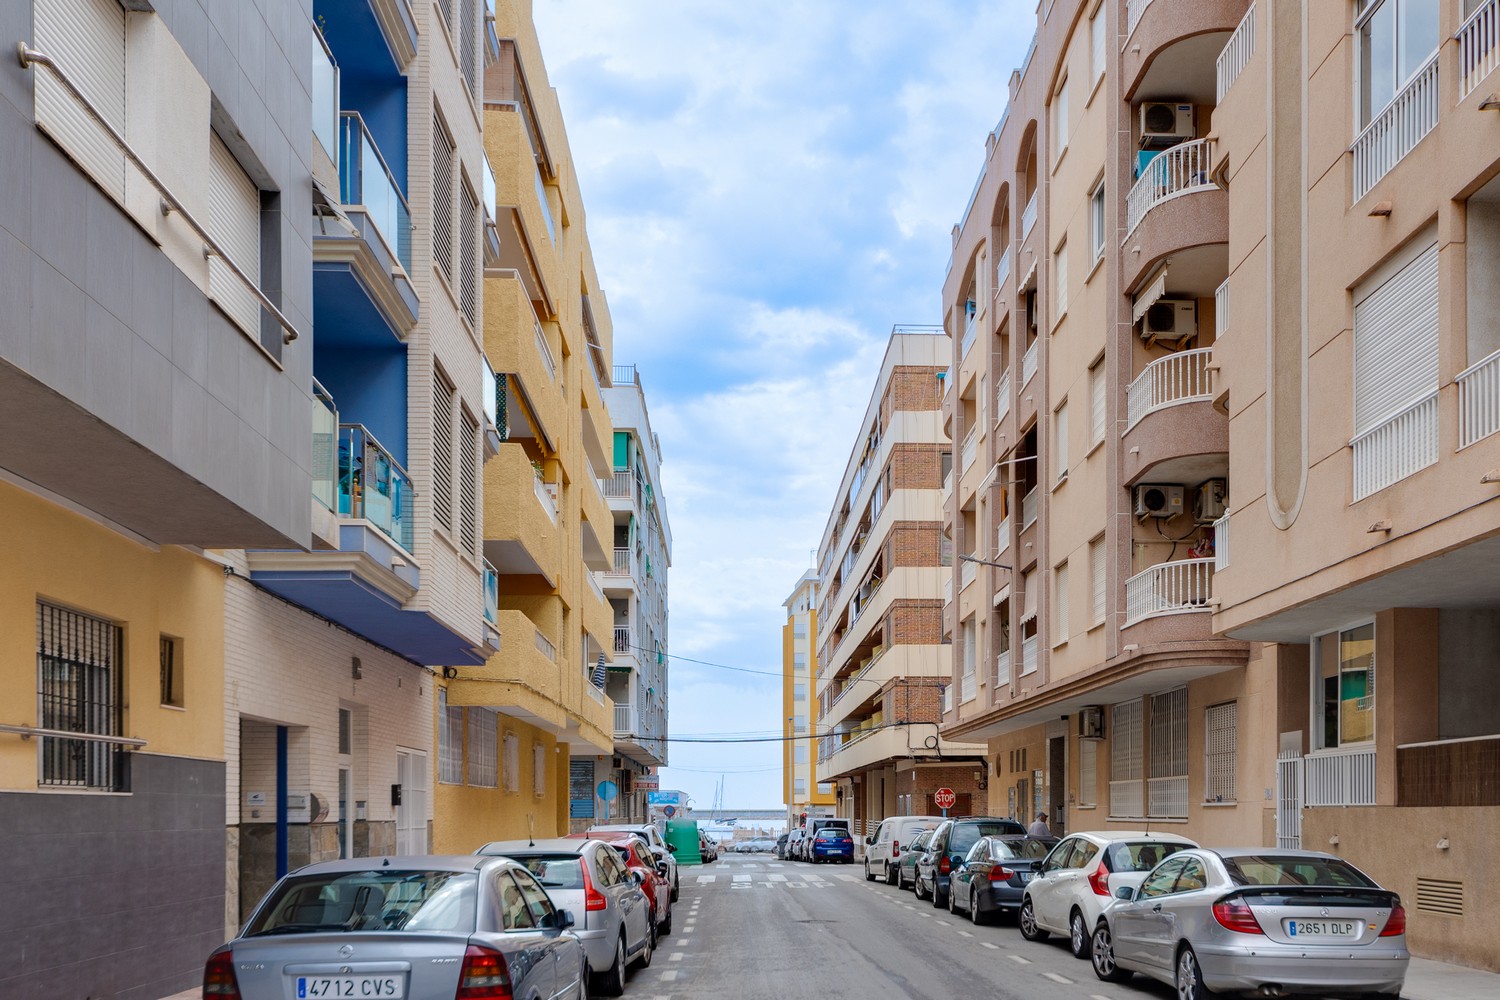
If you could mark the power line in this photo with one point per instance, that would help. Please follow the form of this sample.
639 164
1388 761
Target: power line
706 663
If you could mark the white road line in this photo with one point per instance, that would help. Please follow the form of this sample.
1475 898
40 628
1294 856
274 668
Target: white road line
1058 979
965 934
814 878
990 944
676 956
776 877
738 877
1018 959
702 879
796 885
1098 996
846 877
670 974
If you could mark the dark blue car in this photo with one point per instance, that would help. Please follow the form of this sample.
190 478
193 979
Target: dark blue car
832 843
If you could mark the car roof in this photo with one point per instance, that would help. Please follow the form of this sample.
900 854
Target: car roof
1272 852
397 862
1110 836
550 845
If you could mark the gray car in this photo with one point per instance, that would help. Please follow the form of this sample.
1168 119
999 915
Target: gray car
401 927
1279 922
611 914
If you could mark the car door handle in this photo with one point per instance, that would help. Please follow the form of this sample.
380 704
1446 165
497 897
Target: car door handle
1156 908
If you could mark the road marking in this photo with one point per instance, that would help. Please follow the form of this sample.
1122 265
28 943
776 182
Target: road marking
702 879
742 877
776 877
990 944
676 956
1019 959
909 906
1098 996
669 974
796 885
813 878
845 877
964 934
1058 979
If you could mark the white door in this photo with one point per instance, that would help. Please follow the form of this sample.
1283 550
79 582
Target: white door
411 814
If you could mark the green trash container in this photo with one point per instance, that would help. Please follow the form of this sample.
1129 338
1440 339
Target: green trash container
682 838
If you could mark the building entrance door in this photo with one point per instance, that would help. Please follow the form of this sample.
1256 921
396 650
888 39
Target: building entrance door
411 808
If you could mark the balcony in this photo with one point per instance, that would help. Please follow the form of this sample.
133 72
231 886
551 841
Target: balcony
1397 448
1028 656
1172 428
1029 363
1339 777
1002 669
1396 131
521 536
1169 588
546 495
598 523
367 185
969 450
1221 543
523 217
533 398
1172 47
491 607
622 484
520 679
1479 401
1181 170
625 721
1002 534
1478 47
1002 272
623 646
1462 772
1235 55
1028 215
1031 505
967 571
624 564
1178 378
373 486
971 327
1002 396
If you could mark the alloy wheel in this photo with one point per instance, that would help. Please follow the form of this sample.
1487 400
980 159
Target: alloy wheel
1102 955
1078 936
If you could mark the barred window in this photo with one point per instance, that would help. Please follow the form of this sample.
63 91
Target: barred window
346 727
1168 781
442 450
1221 728
1088 772
483 729
512 762
450 741
538 770
442 199
1125 760
79 681
468 497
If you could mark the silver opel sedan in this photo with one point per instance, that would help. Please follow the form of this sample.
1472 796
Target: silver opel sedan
1271 921
403 928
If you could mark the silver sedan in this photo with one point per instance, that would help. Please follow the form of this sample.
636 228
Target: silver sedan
1273 921
402 928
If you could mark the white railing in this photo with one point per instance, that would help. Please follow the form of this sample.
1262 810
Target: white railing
1180 170
624 564
545 351
1169 588
544 646
1399 447
1002 396
620 485
1030 505
966 573
1236 53
967 686
1028 214
1028 656
622 642
1177 378
1339 778
1028 362
1002 535
1002 270
546 496
1478 47
947 699
948 589
1221 309
1002 668
1479 400
971 327
1167 797
1289 802
970 449
1221 543
1396 130
1133 11
624 719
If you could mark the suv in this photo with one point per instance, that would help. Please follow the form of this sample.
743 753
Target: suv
883 849
1080 876
949 844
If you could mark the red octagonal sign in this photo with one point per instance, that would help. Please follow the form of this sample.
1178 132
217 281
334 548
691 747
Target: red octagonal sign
944 798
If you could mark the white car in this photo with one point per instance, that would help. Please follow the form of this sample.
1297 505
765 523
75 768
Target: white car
883 848
654 840
1079 877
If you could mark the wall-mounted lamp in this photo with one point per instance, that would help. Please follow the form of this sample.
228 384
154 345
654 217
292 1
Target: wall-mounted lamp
450 673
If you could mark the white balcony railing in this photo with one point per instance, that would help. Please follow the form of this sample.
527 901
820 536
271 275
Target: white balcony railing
1389 452
1002 271
595 693
947 589
624 564
1479 400
1236 53
1478 47
1133 11
970 449
1339 778
1002 396
1396 130
544 646
1002 535
1221 543
620 485
947 699
1028 215
1169 588
1030 505
1002 668
624 719
1177 378
1028 363
971 328
1180 170
1221 310
968 686
622 643
1028 656
966 573
546 495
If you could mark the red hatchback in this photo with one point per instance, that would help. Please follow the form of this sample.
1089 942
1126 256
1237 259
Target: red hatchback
658 890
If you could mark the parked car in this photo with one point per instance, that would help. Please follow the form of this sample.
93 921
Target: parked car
883 847
781 846
654 840
708 848
906 865
1081 875
831 843
1241 920
610 909
794 844
992 876
949 844
638 858
451 924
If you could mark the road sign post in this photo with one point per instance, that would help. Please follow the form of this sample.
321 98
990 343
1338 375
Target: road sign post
944 799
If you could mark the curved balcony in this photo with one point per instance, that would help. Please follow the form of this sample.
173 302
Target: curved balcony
1171 43
1170 603
1172 420
1174 208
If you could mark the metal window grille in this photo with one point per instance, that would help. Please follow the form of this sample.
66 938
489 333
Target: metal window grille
442 450
538 770
468 278
512 762
445 7
1088 772
484 727
171 672
450 741
1125 769
1220 724
79 689
1168 779
468 462
442 198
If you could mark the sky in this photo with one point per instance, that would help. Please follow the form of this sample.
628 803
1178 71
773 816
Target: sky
768 189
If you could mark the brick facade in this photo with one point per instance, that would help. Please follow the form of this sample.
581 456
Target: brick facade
914 622
915 465
911 387
913 543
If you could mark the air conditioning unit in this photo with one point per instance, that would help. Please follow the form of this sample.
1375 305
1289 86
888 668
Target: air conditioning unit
1158 500
1091 722
1170 320
1165 124
1208 505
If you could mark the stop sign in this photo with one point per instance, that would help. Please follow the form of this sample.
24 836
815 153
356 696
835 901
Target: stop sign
944 798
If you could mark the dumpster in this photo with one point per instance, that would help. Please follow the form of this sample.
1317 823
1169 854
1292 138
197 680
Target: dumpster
682 838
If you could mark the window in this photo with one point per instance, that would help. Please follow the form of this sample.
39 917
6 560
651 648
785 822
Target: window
1096 221
1345 670
1125 760
1060 441
1088 773
1220 725
1098 571
450 741
468 44
1060 279
1060 603
538 770
87 38
1060 118
511 761
442 450
171 671
799 786
799 754
799 630
799 723
1098 35
1168 784
799 661
468 497
1098 418
1396 38
799 691
442 199
234 223
79 682
966 684
346 729
468 256
483 727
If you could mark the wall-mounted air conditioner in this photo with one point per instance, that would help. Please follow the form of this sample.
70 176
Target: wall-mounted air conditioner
1091 722
1170 320
1208 505
1158 500
1165 124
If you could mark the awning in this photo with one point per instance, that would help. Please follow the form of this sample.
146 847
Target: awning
1148 296
1002 594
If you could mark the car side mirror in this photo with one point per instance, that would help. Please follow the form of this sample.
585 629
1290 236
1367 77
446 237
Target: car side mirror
637 876
672 848
559 920
661 869
1125 892
870 840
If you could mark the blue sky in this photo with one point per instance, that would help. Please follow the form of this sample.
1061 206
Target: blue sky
768 189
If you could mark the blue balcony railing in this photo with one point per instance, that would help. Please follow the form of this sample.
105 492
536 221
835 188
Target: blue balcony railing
367 181
325 456
373 485
491 594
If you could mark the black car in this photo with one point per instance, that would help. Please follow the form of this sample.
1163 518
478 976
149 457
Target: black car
949 844
992 877
781 846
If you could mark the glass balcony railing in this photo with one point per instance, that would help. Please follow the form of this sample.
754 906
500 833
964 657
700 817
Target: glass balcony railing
367 181
488 393
491 191
373 485
325 97
546 206
491 594
325 450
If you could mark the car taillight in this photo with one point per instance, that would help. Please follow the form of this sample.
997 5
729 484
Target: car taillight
895 847
1099 880
1236 915
944 865
218 976
484 975
820 840
593 899
1396 924
999 874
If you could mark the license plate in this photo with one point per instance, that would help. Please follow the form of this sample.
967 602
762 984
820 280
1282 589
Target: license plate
1026 876
387 987
1323 928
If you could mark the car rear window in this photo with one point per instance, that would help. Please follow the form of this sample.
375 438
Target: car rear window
1140 855
1271 869
383 900
554 871
966 835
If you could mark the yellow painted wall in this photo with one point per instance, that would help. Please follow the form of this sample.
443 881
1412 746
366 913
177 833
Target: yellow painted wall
66 559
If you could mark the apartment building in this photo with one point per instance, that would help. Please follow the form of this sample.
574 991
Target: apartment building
636 586
1227 295
516 732
882 663
155 371
805 794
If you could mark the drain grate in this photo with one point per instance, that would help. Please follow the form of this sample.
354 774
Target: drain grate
1440 895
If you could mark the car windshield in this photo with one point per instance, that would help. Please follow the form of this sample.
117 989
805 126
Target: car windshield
1283 869
966 835
554 871
1140 855
382 900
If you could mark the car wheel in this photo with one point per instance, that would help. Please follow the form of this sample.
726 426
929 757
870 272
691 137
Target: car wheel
869 876
893 876
952 900
939 898
676 887
1027 921
1102 954
976 915
583 981
611 982
1190 977
666 925
643 960
916 886
1078 936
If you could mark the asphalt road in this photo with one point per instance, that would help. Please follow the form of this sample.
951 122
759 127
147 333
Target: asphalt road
753 928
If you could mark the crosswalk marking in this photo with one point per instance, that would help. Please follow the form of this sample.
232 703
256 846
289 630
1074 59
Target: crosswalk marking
776 877
705 879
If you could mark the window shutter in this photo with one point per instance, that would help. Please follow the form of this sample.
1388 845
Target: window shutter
1060 275
468 510
1097 36
468 45
1097 421
468 279
1060 441
1396 342
87 38
1097 566
442 199
234 222
442 450
1028 595
1088 772
1125 797
1060 604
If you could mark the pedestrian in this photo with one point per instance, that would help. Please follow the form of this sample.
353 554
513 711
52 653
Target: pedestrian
1039 828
